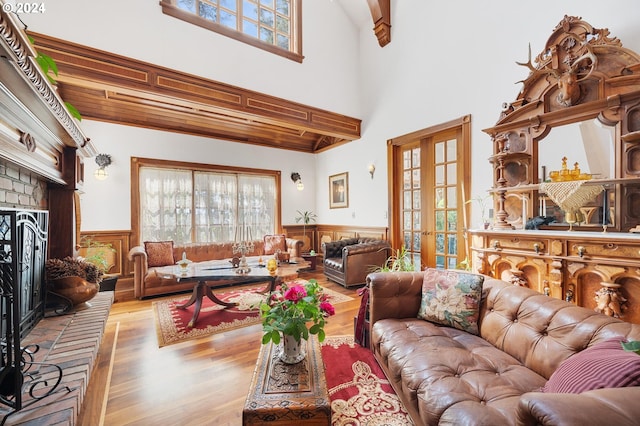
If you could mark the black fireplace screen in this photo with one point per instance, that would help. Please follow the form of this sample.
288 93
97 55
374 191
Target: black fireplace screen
23 251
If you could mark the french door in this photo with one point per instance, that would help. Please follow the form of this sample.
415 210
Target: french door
429 183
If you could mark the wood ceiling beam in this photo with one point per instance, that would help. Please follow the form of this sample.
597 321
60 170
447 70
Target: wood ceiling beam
381 14
276 121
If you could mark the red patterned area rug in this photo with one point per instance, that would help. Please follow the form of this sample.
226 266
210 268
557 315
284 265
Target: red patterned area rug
171 322
359 392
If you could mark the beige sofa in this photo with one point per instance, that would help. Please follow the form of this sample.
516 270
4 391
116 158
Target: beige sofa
155 269
447 376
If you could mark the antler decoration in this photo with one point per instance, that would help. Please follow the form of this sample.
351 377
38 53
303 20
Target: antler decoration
568 81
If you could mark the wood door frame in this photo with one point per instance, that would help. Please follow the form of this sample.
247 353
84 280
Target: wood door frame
394 165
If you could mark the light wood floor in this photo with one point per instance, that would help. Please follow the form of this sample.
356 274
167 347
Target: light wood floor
198 382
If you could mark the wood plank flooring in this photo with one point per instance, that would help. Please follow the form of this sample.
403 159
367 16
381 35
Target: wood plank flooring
198 382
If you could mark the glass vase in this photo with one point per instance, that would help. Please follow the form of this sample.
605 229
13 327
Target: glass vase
292 351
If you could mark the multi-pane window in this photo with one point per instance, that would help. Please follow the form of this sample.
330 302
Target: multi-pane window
186 206
270 24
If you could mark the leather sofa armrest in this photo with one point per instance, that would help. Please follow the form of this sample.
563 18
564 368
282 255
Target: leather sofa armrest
367 247
294 247
614 406
140 267
394 295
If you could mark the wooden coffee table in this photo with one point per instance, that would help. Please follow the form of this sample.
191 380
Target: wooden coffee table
215 275
288 394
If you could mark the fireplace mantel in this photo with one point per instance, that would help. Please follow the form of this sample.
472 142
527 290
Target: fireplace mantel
35 126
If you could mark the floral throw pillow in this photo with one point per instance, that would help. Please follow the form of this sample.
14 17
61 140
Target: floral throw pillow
451 298
273 243
159 253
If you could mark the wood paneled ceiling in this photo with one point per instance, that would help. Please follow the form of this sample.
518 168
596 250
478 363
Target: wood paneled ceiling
108 87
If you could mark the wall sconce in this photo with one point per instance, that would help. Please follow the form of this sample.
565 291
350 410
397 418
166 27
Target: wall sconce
102 160
295 176
372 169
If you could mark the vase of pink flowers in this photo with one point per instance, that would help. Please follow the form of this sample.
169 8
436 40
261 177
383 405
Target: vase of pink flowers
292 312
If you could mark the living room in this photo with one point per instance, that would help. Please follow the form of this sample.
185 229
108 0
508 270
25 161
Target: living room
443 62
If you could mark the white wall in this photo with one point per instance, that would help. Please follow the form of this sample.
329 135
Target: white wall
445 60
106 204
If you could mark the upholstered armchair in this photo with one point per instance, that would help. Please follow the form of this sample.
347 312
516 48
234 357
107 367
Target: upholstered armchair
348 261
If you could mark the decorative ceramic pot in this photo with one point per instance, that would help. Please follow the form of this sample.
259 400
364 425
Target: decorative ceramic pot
77 290
292 351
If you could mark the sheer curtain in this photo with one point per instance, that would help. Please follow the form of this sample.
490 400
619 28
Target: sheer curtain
165 204
197 206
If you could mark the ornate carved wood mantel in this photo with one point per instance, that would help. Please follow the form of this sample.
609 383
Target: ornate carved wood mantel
582 74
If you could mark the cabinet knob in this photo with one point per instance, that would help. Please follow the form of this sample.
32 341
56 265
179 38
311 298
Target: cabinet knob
495 244
581 251
536 247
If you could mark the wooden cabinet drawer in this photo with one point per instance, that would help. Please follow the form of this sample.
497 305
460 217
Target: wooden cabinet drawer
607 250
529 245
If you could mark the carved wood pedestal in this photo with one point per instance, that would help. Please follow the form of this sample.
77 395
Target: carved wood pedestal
288 394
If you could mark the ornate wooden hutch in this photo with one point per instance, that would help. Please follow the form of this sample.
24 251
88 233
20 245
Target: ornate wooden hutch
590 252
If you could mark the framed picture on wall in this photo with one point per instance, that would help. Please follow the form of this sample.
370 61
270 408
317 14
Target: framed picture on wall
339 191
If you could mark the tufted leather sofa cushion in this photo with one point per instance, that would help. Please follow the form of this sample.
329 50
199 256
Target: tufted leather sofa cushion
447 376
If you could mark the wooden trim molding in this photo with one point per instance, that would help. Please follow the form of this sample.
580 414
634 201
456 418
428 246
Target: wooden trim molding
316 234
16 49
109 87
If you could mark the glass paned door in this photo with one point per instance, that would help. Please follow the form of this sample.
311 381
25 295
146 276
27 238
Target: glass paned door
445 203
411 203
431 177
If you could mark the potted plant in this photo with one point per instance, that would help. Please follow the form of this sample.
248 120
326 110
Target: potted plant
307 217
102 255
288 311
397 262
483 203
73 279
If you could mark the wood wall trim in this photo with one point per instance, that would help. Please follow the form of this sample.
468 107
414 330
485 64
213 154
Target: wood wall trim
320 233
109 87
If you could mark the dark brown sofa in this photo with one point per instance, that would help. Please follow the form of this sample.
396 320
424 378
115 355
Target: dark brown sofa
445 376
348 261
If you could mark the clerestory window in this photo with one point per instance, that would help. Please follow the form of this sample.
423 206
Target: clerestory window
186 202
272 25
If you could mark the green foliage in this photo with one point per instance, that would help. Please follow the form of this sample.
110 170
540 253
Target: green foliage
73 111
48 66
632 346
464 265
306 217
97 253
483 202
290 307
399 261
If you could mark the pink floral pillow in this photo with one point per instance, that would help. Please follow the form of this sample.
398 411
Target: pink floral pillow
451 298
159 253
273 243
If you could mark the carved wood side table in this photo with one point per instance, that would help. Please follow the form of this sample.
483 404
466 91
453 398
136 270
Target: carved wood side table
288 394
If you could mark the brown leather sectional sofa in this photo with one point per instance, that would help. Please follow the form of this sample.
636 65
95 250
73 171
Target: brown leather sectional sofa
160 280
447 376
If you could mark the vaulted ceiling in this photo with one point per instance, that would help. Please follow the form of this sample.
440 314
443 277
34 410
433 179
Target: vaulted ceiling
107 87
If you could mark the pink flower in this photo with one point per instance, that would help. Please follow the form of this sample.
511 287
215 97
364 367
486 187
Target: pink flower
328 308
295 293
